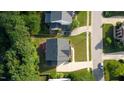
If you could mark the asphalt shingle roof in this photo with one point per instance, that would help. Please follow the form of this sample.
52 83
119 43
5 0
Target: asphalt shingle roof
57 50
62 17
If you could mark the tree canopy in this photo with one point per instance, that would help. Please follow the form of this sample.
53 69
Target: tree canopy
20 58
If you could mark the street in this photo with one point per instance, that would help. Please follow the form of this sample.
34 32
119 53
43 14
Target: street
97 44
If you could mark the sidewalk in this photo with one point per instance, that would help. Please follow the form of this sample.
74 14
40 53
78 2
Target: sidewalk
80 30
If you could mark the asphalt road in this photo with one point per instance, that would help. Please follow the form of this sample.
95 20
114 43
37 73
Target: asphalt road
97 44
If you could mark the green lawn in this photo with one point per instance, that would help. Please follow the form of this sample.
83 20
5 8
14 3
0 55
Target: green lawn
80 75
79 44
107 33
106 71
109 43
90 46
82 18
89 17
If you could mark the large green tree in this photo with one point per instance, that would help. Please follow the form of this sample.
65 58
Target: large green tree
20 59
33 21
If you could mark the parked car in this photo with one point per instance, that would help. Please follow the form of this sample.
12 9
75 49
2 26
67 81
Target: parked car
100 66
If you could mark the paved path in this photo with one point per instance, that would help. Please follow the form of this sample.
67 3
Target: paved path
80 30
73 66
73 54
112 20
115 56
97 44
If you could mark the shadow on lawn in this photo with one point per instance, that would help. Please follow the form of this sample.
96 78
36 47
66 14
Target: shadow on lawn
43 67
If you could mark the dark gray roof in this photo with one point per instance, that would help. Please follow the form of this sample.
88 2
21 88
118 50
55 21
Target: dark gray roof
51 49
63 50
57 50
62 17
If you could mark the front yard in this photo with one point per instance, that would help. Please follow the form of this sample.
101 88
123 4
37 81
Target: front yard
80 75
110 45
79 44
82 18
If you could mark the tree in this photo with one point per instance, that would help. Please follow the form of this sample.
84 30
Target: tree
115 68
32 20
109 41
20 59
75 24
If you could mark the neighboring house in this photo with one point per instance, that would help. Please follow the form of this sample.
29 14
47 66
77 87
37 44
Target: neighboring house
59 21
119 33
58 51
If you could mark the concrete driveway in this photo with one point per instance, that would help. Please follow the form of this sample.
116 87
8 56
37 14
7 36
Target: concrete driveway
73 66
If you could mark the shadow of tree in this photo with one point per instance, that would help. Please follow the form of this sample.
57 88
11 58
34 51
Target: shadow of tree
99 45
98 74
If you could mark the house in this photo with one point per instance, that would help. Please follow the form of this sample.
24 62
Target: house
57 51
59 21
119 33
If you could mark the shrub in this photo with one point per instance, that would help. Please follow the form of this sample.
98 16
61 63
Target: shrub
56 75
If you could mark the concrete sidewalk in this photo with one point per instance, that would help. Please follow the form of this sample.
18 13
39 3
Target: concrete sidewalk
80 30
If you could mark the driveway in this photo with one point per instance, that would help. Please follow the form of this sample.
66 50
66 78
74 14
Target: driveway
112 20
113 56
97 44
73 66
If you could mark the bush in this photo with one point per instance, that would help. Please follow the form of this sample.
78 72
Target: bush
74 24
114 69
56 75
109 40
108 14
